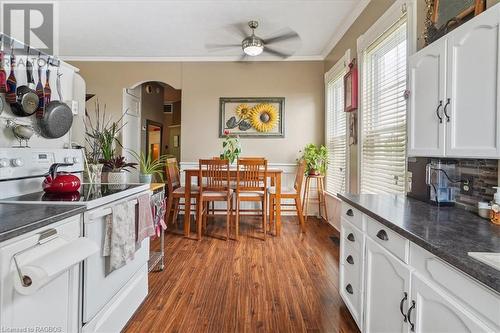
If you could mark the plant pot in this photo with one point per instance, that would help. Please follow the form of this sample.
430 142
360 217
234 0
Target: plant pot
117 177
145 179
314 172
93 173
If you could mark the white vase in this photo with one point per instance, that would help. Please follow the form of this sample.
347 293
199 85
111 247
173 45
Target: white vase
117 177
145 179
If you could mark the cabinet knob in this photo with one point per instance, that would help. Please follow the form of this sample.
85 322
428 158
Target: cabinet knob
408 315
350 237
348 288
350 260
349 212
382 234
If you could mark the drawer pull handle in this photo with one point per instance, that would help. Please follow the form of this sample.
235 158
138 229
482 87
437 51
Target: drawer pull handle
412 325
437 112
350 237
445 112
349 289
401 306
382 235
350 260
349 212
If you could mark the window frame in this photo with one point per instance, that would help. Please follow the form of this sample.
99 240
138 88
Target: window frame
340 68
385 22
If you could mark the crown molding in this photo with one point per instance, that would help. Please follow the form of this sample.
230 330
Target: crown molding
189 59
344 26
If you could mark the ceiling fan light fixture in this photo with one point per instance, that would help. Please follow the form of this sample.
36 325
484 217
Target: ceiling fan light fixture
252 46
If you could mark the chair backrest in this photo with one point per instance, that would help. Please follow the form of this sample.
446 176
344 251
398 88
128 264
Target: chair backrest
214 175
299 176
173 174
251 174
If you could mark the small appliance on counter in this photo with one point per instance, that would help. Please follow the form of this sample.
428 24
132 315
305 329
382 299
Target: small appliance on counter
60 182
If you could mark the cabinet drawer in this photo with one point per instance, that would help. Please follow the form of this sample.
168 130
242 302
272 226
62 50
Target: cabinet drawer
485 304
352 215
350 294
389 239
351 266
351 235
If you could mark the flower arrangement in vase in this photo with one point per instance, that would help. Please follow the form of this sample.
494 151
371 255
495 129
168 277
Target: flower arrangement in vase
231 147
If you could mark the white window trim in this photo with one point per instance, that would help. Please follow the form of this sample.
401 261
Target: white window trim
340 67
390 17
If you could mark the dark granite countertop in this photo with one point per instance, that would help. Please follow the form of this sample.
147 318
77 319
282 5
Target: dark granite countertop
447 232
16 220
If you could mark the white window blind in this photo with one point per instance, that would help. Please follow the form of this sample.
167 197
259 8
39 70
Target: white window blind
336 141
383 118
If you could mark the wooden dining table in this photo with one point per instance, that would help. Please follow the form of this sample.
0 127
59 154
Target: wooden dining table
190 173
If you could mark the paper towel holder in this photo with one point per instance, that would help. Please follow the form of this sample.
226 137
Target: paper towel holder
45 236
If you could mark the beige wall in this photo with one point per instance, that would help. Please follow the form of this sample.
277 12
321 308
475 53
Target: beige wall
301 83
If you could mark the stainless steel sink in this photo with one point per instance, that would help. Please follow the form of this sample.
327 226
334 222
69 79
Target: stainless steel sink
489 258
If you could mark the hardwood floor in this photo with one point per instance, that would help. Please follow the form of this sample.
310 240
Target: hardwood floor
285 284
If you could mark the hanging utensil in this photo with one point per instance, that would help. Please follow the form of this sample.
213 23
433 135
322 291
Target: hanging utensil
47 92
3 74
39 91
57 116
11 82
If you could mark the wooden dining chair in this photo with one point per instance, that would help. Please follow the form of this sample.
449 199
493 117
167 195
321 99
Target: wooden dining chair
251 185
287 194
214 181
176 192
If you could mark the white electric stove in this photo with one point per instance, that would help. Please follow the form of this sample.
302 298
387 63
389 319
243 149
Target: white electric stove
108 300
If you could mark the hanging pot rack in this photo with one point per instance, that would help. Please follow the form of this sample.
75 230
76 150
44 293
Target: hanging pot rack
8 42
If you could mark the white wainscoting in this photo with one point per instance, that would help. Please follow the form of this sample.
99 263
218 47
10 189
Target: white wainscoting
287 180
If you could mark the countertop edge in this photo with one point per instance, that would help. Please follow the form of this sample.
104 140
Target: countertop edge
76 209
418 241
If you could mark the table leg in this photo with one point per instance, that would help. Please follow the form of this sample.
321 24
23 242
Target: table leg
318 188
187 206
305 202
278 204
324 198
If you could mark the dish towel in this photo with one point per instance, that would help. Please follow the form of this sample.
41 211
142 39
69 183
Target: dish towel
145 224
119 239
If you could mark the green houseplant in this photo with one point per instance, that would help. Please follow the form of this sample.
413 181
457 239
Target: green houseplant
117 168
316 158
149 167
231 147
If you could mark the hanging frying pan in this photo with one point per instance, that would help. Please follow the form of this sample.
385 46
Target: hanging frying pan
57 117
26 97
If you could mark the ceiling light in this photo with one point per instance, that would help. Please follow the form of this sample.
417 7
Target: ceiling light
252 46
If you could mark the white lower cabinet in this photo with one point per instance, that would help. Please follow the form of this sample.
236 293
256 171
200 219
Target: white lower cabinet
385 292
387 281
433 311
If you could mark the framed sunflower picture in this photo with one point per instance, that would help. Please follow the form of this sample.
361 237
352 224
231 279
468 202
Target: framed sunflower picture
252 116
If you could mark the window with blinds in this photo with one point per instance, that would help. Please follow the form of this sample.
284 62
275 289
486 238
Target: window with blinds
383 117
336 141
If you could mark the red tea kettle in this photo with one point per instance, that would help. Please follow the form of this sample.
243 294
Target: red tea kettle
60 182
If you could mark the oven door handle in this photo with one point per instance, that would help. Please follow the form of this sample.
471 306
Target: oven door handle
105 211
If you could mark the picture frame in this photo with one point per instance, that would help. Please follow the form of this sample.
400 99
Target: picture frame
232 119
351 88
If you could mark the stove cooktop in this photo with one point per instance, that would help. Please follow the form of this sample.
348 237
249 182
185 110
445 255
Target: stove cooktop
86 193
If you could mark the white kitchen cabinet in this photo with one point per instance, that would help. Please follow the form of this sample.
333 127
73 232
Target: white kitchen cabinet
472 90
387 281
433 311
426 129
453 105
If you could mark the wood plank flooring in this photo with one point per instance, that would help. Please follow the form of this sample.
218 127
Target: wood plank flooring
285 284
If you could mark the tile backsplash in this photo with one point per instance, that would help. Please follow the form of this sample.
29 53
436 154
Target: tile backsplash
484 175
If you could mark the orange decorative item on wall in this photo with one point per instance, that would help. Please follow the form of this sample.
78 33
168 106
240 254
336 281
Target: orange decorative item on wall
351 88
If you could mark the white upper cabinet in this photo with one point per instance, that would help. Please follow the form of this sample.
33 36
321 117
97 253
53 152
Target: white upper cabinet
387 287
453 105
427 85
432 311
472 89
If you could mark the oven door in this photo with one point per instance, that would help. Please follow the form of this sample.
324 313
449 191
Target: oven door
99 288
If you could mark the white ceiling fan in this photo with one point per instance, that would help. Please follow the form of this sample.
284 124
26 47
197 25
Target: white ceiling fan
252 45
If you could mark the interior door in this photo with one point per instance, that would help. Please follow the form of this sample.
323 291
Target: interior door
472 89
131 133
435 312
387 286
427 87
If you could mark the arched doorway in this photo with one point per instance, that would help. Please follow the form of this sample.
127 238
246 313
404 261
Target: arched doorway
152 113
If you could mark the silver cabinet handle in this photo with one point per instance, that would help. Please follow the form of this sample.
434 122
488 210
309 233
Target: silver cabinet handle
437 111
382 234
350 260
349 289
445 112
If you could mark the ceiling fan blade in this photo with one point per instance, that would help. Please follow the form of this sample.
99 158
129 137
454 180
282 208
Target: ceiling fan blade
241 29
221 46
283 37
276 52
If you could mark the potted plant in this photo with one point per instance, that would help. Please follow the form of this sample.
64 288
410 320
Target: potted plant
231 147
116 169
316 158
149 167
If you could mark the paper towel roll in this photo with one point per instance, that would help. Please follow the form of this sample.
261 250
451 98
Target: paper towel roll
40 270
